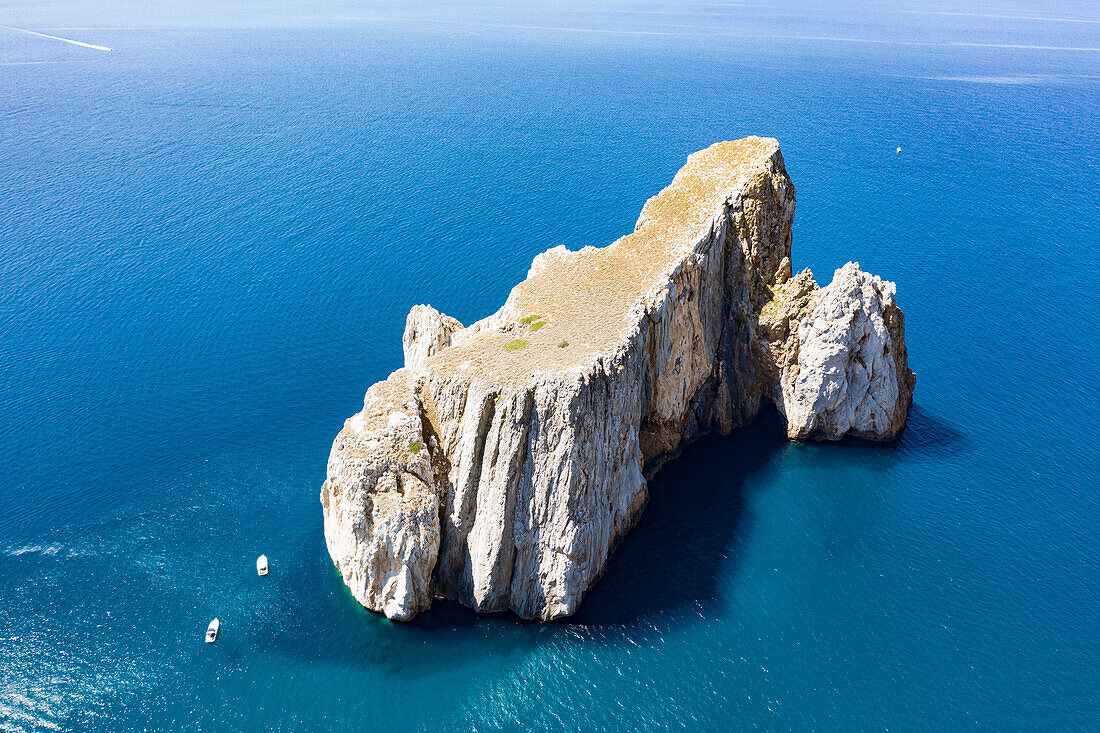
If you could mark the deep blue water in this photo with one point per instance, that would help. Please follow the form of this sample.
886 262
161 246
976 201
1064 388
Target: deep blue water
209 239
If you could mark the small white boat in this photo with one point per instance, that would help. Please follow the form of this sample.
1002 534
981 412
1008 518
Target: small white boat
261 565
212 631
899 150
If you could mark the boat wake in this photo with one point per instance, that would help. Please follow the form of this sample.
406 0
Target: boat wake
57 38
49 550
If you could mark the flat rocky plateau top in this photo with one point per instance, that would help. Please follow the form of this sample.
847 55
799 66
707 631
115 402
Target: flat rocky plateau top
585 298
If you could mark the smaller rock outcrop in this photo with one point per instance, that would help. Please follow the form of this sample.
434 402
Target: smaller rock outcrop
427 331
841 356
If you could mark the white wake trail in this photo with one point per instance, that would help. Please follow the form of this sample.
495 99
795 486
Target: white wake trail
57 38
1048 18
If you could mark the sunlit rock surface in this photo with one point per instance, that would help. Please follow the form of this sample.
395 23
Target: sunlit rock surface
847 371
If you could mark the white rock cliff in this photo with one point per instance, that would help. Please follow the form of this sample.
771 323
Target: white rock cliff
503 463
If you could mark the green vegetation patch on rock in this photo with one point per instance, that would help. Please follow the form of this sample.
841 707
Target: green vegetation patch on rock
515 345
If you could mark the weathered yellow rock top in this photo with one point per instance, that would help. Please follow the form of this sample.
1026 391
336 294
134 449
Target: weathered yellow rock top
575 306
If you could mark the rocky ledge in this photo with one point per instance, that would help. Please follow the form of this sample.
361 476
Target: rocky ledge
504 462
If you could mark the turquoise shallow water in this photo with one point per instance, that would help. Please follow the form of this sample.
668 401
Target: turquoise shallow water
209 239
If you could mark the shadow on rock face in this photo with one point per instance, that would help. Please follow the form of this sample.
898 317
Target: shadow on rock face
681 543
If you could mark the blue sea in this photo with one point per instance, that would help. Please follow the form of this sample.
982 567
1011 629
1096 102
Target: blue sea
211 234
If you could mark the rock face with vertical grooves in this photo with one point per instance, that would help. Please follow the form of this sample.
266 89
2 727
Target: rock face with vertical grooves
503 463
844 365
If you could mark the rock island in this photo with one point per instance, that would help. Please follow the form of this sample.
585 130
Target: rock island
501 465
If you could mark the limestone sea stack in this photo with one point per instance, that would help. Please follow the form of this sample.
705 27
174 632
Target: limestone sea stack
504 462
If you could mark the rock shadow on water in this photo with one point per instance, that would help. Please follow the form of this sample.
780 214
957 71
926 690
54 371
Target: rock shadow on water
691 531
926 432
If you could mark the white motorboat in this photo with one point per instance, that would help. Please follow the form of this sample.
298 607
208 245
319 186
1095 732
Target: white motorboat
261 565
212 631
